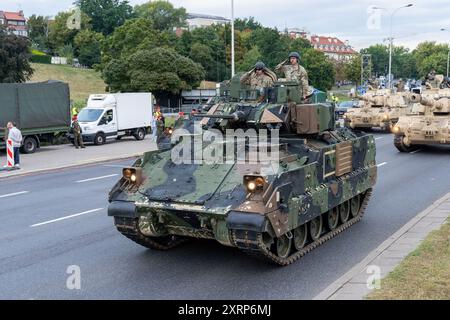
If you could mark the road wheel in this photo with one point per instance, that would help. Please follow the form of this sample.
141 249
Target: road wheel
344 211
333 219
315 228
29 145
284 244
140 135
99 139
300 237
401 146
355 204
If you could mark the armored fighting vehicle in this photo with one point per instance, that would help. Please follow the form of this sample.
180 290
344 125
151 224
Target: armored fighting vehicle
377 109
429 125
277 197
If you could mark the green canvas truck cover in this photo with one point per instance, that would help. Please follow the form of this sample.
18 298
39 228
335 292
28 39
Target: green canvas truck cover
42 105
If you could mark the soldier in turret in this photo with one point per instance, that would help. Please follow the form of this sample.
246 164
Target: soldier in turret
293 71
259 77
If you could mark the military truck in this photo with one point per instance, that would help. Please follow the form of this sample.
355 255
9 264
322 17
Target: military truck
315 184
41 111
377 109
429 125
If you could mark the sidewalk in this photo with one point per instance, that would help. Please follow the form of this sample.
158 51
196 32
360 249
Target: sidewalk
354 284
63 156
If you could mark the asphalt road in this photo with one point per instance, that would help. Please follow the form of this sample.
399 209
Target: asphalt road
51 221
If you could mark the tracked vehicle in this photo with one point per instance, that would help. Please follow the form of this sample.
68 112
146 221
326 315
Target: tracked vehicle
378 109
429 125
314 182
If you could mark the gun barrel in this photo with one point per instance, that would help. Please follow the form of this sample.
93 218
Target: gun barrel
215 116
415 98
427 102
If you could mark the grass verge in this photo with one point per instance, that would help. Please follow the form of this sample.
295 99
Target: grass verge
423 275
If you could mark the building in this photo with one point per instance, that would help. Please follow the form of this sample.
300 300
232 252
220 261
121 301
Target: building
195 20
14 22
333 47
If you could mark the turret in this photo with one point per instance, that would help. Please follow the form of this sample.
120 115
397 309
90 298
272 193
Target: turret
439 106
278 107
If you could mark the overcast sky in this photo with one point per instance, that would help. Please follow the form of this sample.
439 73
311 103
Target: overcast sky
347 19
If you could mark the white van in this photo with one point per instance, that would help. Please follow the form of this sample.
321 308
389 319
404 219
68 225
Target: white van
113 116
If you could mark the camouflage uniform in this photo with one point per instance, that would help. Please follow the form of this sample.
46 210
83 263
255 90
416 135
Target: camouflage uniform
78 138
295 73
159 131
256 81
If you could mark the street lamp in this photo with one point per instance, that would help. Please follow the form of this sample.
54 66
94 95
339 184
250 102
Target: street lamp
448 56
233 71
391 39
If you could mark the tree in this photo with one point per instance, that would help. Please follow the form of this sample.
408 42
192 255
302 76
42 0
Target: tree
247 24
37 27
66 51
274 47
380 59
250 58
106 15
116 76
299 45
87 47
14 55
126 39
429 55
162 14
353 69
157 70
320 70
59 33
203 55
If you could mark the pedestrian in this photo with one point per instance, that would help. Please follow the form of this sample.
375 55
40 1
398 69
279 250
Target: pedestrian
159 130
77 133
154 127
16 136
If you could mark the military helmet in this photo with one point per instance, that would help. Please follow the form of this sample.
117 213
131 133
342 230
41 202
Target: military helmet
260 65
294 55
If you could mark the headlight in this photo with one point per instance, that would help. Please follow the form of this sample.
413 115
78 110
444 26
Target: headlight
133 175
396 129
254 184
386 117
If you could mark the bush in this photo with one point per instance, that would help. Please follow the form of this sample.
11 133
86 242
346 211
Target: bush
39 58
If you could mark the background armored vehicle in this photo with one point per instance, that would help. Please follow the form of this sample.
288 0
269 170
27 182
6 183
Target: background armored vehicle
428 125
380 109
278 208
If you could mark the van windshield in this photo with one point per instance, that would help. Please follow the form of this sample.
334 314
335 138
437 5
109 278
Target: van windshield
89 115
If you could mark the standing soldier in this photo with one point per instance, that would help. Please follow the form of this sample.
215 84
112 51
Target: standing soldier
293 71
259 77
76 128
159 130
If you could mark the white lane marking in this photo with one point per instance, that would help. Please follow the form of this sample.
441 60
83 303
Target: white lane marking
65 218
379 138
382 164
114 166
98 178
14 194
417 151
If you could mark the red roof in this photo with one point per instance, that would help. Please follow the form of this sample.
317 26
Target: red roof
13 16
331 45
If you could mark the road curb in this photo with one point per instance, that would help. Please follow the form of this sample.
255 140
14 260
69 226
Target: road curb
353 284
71 166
